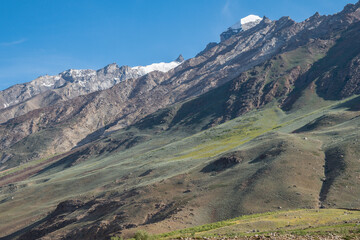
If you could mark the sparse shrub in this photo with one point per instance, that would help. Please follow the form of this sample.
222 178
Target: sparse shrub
142 235
116 238
348 237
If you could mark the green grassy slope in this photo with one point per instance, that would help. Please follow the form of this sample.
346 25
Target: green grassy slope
294 223
275 168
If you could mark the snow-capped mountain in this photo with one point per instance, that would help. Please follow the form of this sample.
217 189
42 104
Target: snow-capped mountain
146 152
242 25
162 66
75 82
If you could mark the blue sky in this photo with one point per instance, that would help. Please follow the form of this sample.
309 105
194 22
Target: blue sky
49 36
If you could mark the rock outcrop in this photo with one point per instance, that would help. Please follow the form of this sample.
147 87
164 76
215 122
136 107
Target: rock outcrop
71 122
49 90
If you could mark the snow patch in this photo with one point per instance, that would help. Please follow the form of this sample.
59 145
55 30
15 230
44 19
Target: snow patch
250 18
245 20
48 84
81 83
162 67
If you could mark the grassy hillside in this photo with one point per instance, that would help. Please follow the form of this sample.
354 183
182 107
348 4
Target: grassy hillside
289 224
259 162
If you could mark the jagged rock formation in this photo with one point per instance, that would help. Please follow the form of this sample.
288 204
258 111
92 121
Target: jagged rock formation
74 121
48 90
207 48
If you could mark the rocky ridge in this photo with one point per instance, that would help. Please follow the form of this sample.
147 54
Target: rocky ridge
48 90
132 99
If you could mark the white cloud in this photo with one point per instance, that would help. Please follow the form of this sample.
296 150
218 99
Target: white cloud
13 42
225 11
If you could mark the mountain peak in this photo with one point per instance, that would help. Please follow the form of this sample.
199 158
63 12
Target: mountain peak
162 66
242 25
180 58
248 19
111 68
314 17
266 20
351 7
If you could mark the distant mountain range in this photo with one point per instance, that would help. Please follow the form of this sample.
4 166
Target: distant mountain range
266 119
47 90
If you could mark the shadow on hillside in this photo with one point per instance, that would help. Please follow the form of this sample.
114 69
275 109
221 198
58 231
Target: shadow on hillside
95 135
351 105
25 229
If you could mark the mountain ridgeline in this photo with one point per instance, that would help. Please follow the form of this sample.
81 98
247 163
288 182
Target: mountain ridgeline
267 118
49 90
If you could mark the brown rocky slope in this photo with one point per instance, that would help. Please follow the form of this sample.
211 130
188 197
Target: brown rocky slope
69 123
